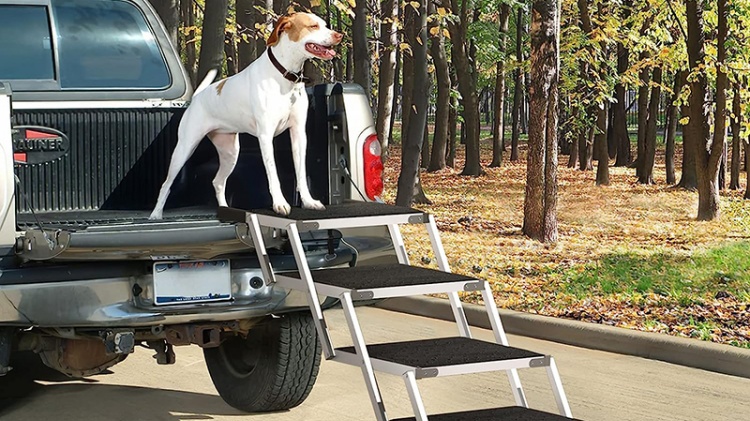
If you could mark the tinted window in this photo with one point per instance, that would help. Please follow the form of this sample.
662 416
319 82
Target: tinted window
25 48
107 44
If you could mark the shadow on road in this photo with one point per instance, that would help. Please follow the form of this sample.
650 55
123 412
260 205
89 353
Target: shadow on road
34 392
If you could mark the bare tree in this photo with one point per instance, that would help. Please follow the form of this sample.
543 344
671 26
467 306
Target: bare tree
620 118
734 183
360 50
672 120
212 41
466 73
498 132
246 14
416 108
169 12
540 206
443 79
708 151
187 16
387 69
518 93
646 162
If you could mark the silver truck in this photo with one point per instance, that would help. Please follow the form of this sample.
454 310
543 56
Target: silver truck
91 94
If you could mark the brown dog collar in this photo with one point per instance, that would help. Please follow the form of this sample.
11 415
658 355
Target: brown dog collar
290 76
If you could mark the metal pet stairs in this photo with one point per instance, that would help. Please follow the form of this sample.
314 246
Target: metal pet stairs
413 360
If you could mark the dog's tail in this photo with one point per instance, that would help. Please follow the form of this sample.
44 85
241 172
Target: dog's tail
207 81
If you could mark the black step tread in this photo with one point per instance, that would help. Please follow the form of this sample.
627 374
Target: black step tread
442 352
511 413
344 210
382 276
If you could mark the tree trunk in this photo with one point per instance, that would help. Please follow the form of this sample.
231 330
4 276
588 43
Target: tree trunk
450 159
611 140
499 123
467 85
620 122
672 119
586 149
573 158
600 147
646 164
361 53
442 76
230 53
746 145
246 32
412 142
707 161
188 17
424 160
389 42
518 89
734 183
643 99
540 205
397 91
169 12
212 40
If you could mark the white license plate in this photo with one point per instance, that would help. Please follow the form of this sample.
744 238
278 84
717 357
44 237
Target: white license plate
187 282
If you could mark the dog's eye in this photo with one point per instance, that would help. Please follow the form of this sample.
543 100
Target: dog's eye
316 26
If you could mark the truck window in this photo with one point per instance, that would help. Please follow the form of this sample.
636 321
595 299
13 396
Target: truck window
25 48
106 44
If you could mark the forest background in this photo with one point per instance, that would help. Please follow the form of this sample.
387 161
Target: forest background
588 157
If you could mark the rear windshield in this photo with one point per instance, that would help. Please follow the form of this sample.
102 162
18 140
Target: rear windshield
99 44
25 46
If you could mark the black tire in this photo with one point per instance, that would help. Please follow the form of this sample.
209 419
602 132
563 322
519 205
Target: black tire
273 369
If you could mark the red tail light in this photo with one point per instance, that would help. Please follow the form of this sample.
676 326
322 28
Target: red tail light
373 167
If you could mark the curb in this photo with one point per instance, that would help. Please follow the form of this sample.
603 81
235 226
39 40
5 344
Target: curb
704 355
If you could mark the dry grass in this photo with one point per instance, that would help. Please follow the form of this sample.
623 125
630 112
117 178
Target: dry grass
481 221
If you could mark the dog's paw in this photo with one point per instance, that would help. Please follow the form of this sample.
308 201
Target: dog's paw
282 208
314 205
155 215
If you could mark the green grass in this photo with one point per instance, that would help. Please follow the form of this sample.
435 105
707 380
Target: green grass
686 279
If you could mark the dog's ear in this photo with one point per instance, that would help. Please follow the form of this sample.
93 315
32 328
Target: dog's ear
281 25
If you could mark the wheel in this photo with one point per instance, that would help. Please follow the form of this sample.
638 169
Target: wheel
272 369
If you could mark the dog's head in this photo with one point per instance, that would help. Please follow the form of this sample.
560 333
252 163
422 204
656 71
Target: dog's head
306 32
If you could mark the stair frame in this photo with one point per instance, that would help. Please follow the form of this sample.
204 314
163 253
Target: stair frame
306 283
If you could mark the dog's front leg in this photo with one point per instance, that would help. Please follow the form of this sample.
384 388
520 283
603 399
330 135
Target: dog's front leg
299 151
280 205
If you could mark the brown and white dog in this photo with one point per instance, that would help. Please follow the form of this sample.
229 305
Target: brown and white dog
264 99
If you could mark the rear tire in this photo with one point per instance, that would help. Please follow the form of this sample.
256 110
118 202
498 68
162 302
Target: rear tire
273 369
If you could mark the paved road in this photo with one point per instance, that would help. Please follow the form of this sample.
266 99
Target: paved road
600 386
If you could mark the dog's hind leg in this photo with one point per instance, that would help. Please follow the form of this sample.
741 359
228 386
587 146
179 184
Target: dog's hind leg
188 139
228 147
299 151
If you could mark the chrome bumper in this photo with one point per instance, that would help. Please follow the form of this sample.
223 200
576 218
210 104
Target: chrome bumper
127 301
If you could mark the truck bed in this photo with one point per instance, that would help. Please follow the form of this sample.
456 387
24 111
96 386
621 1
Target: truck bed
80 220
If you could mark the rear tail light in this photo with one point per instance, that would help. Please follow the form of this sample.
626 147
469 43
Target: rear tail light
373 167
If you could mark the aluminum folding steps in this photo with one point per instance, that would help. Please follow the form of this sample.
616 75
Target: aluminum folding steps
414 359
511 413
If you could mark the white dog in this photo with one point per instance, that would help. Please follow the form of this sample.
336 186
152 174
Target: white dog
264 99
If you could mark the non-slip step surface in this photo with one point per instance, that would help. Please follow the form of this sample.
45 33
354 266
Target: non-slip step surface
382 276
344 210
443 352
513 413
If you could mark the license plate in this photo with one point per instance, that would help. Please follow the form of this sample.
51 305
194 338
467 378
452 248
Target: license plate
185 282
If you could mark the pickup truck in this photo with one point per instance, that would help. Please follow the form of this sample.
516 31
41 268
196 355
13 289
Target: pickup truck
91 95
